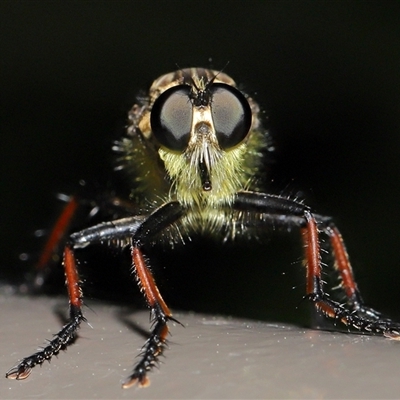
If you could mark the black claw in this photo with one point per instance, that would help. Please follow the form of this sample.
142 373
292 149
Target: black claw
19 372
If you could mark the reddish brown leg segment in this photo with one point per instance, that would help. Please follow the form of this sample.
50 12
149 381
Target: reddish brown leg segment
147 283
72 278
311 243
342 263
58 232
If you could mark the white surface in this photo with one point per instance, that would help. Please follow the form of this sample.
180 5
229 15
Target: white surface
212 357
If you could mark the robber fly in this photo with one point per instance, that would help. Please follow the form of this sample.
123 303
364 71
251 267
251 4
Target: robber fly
193 150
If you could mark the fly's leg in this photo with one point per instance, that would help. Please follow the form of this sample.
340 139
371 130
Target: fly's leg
354 314
140 229
68 332
160 313
291 213
98 233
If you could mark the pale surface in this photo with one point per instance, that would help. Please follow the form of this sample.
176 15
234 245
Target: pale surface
211 358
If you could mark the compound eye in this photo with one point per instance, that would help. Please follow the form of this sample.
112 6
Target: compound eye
171 118
231 115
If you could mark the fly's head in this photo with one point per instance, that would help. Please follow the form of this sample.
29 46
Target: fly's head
201 125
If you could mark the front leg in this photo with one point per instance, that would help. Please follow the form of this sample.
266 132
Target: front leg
160 219
160 315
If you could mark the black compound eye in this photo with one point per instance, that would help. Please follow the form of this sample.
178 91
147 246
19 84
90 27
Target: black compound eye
171 118
231 114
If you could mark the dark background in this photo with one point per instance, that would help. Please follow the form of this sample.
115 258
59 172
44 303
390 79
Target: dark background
326 73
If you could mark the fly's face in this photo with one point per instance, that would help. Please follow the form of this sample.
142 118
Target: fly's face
201 124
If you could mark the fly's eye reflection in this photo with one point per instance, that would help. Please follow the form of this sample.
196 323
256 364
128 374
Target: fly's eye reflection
231 114
175 192
172 115
171 118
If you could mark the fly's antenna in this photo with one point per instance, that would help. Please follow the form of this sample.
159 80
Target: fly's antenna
211 81
187 77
